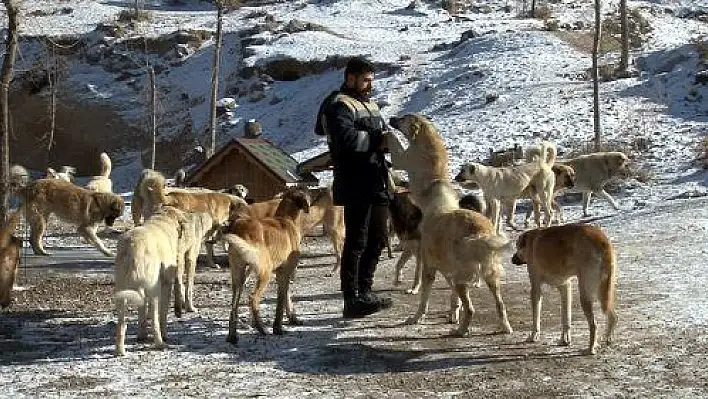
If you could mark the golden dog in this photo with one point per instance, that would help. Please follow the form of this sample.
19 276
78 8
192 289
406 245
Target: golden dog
459 243
9 258
556 254
152 192
145 271
261 246
564 179
196 226
71 203
593 171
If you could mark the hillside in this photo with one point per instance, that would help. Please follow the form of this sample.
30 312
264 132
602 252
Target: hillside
486 76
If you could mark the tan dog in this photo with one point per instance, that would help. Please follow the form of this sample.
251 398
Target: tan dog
262 246
502 186
102 183
196 227
145 270
593 171
322 211
459 243
556 254
564 179
9 258
71 203
152 191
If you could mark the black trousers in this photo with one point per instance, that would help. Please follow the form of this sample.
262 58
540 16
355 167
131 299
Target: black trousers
365 228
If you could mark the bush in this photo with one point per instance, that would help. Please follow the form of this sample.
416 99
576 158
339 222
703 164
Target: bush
638 27
133 15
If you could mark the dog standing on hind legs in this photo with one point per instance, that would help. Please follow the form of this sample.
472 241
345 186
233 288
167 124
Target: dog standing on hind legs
556 254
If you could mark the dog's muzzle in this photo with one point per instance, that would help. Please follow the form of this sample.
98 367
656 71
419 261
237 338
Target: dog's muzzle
516 260
110 220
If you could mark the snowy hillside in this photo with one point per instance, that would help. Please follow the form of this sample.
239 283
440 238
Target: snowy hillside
442 65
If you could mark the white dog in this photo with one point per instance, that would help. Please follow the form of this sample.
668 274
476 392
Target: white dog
102 183
145 270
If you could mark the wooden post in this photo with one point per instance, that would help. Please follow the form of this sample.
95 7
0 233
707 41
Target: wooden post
215 81
595 77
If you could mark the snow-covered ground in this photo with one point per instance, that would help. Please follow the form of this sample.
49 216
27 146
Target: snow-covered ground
63 347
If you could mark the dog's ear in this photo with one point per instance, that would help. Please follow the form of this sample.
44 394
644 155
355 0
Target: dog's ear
522 241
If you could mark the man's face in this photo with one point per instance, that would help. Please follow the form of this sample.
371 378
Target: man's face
362 83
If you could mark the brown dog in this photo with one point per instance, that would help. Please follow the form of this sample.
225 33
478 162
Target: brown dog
556 254
71 203
263 246
9 259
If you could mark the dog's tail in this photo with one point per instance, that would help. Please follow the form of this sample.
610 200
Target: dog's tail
9 228
608 286
548 154
485 251
106 165
241 249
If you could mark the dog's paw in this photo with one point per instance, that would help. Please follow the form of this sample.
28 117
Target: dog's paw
232 338
590 351
413 291
278 330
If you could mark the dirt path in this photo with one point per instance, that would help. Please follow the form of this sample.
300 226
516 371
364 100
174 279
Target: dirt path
58 337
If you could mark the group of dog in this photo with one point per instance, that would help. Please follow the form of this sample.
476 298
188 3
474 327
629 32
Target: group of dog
445 233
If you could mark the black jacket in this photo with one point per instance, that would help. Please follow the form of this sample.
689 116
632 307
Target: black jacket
354 129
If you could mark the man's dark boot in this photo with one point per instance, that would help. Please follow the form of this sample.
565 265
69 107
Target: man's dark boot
356 307
369 297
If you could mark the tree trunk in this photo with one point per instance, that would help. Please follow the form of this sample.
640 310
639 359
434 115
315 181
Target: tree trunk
624 28
7 70
153 116
53 101
595 77
533 9
215 83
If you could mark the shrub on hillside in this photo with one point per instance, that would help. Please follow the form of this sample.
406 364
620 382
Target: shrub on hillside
638 27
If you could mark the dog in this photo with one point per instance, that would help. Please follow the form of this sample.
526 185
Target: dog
145 271
9 258
593 171
553 256
564 179
262 246
405 222
322 211
459 243
196 226
72 204
151 191
67 173
102 183
502 186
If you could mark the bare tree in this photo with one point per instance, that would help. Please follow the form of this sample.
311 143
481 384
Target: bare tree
7 71
624 29
221 7
595 77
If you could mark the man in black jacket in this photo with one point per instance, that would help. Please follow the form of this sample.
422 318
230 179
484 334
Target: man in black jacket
356 137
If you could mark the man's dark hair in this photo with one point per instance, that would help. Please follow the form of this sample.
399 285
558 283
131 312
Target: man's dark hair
359 66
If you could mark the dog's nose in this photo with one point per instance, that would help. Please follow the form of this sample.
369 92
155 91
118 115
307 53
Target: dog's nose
516 260
393 121
459 178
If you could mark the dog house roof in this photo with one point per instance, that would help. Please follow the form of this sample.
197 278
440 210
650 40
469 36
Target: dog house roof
268 154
